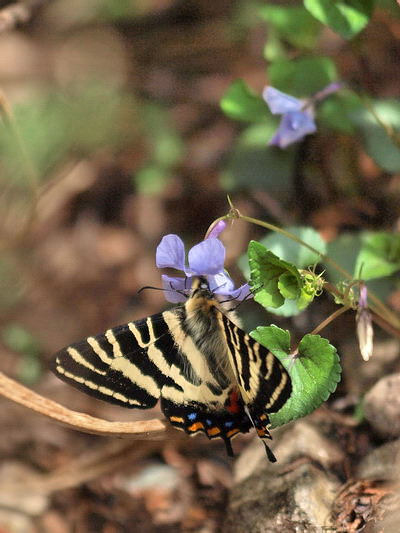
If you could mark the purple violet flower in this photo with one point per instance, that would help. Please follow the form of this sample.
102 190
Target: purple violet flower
297 115
204 259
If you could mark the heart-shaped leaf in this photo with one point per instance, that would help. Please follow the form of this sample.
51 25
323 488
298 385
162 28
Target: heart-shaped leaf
315 371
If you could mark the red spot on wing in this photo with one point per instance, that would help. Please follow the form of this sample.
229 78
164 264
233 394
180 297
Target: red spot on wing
233 405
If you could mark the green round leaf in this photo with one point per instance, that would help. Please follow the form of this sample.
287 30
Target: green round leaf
315 372
288 285
266 276
294 252
254 165
240 103
381 147
379 255
302 77
294 24
336 111
345 17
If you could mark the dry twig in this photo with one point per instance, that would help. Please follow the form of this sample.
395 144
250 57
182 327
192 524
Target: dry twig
144 430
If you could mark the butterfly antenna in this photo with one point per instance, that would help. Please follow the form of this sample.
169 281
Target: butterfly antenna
149 287
247 297
172 289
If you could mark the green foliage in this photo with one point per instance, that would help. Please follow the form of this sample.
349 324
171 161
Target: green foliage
345 251
254 165
240 103
336 111
345 17
285 295
274 280
292 24
164 144
56 125
20 340
116 9
10 284
303 76
165 150
294 252
151 179
315 371
390 6
379 255
382 148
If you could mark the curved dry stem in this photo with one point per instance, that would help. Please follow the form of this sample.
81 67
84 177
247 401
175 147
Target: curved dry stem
144 429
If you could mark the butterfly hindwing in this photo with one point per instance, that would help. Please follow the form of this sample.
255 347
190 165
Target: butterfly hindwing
262 379
196 417
264 384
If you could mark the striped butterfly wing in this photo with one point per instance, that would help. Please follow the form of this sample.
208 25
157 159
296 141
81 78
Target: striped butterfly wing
136 364
264 384
122 366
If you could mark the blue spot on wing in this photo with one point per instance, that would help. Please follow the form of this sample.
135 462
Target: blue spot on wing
192 416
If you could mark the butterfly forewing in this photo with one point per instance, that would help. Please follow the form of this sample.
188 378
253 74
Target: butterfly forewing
127 365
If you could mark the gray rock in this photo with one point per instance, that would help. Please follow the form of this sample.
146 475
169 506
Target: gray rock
295 494
382 463
361 376
382 406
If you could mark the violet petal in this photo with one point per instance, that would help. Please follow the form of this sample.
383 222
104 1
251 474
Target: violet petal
217 229
171 253
293 127
171 285
207 257
279 102
242 293
220 283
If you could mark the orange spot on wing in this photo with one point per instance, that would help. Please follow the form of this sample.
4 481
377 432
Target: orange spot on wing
176 419
196 426
213 431
232 432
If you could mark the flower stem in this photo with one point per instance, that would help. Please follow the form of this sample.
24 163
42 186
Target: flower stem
330 319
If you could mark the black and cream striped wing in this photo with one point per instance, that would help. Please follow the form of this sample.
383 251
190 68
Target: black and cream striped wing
126 365
135 364
264 384
262 379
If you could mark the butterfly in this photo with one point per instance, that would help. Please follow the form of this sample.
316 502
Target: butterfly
208 374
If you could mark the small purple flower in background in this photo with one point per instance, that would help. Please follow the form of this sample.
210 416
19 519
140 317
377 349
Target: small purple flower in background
365 332
297 115
205 259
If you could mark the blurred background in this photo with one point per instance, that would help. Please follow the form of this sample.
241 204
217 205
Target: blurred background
113 136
